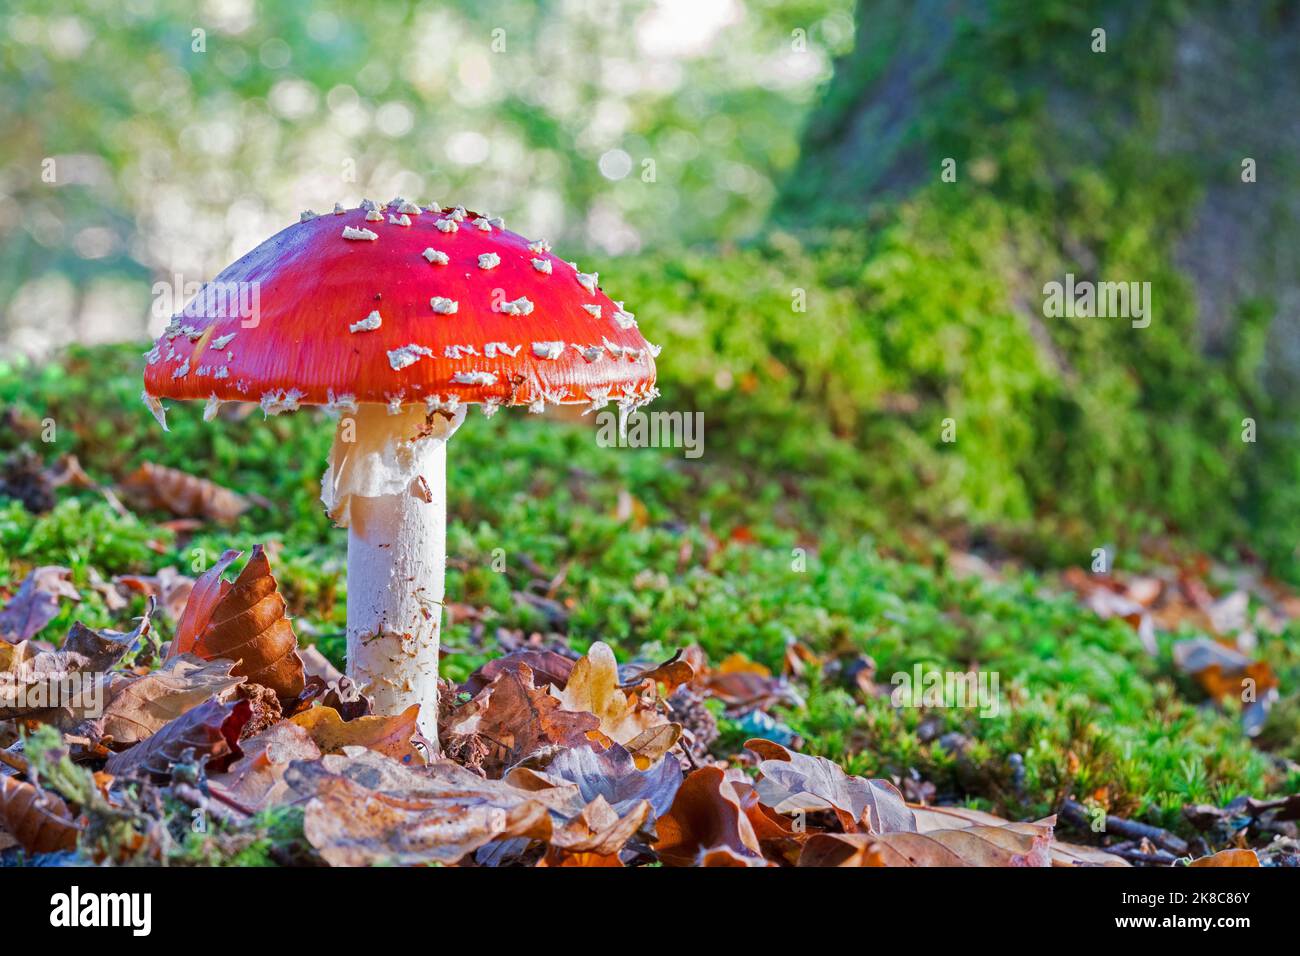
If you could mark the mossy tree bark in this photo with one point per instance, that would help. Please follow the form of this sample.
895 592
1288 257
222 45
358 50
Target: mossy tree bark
1182 96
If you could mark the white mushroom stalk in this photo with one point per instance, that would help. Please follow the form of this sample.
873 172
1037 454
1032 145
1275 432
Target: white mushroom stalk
387 484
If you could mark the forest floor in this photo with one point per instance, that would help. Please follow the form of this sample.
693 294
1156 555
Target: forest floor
1154 710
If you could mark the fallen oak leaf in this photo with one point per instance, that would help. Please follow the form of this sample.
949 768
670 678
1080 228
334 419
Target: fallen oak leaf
36 603
160 488
593 687
672 673
649 746
244 622
36 818
207 733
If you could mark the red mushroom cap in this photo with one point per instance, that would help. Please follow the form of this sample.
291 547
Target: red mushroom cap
450 308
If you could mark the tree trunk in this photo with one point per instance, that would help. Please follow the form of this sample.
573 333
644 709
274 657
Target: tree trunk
1197 87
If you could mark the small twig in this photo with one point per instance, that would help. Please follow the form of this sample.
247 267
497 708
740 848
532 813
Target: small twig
1135 855
687 752
1130 829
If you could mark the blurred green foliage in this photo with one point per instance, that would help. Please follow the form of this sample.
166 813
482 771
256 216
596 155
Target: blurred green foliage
605 124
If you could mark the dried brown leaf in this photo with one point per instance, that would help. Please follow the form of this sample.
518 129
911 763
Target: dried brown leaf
929 819
396 736
514 719
672 673
1026 844
36 603
40 685
256 780
158 487
608 773
170 588
547 667
208 733
243 622
1229 858
139 707
706 814
599 828
593 687
796 782
365 809
741 684
36 818
1222 671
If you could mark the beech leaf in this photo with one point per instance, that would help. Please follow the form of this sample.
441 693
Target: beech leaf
139 707
1025 844
364 808
38 819
208 733
243 622
29 679
929 819
793 781
706 815
396 736
609 773
514 719
160 488
36 603
257 779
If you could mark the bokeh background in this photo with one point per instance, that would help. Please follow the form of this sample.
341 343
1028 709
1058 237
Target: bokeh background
178 152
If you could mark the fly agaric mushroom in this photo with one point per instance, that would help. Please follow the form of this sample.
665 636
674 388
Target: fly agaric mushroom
400 327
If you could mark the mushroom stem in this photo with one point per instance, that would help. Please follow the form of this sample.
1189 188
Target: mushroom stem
387 484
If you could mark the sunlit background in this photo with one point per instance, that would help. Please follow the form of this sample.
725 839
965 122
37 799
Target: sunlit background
136 149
